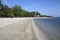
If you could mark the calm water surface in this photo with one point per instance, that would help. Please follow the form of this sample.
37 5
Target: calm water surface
50 27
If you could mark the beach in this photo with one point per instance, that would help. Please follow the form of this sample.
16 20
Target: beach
18 29
28 29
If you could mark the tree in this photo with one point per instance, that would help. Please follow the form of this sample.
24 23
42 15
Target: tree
17 11
6 10
1 6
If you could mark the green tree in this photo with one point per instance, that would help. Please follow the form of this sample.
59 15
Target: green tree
17 11
5 10
37 13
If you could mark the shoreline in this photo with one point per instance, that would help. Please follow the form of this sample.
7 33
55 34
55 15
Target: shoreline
7 21
19 29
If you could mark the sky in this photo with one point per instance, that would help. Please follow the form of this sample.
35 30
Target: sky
45 7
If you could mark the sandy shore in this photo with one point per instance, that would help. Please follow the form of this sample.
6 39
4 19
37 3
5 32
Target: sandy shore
6 21
19 29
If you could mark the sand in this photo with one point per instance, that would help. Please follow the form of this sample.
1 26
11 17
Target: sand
19 29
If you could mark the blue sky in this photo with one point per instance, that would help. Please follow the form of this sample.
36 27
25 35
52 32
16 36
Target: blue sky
46 7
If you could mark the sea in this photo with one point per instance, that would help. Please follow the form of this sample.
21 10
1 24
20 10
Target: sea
50 27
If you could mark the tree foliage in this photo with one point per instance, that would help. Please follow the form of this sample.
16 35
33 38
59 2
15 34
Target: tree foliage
17 11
